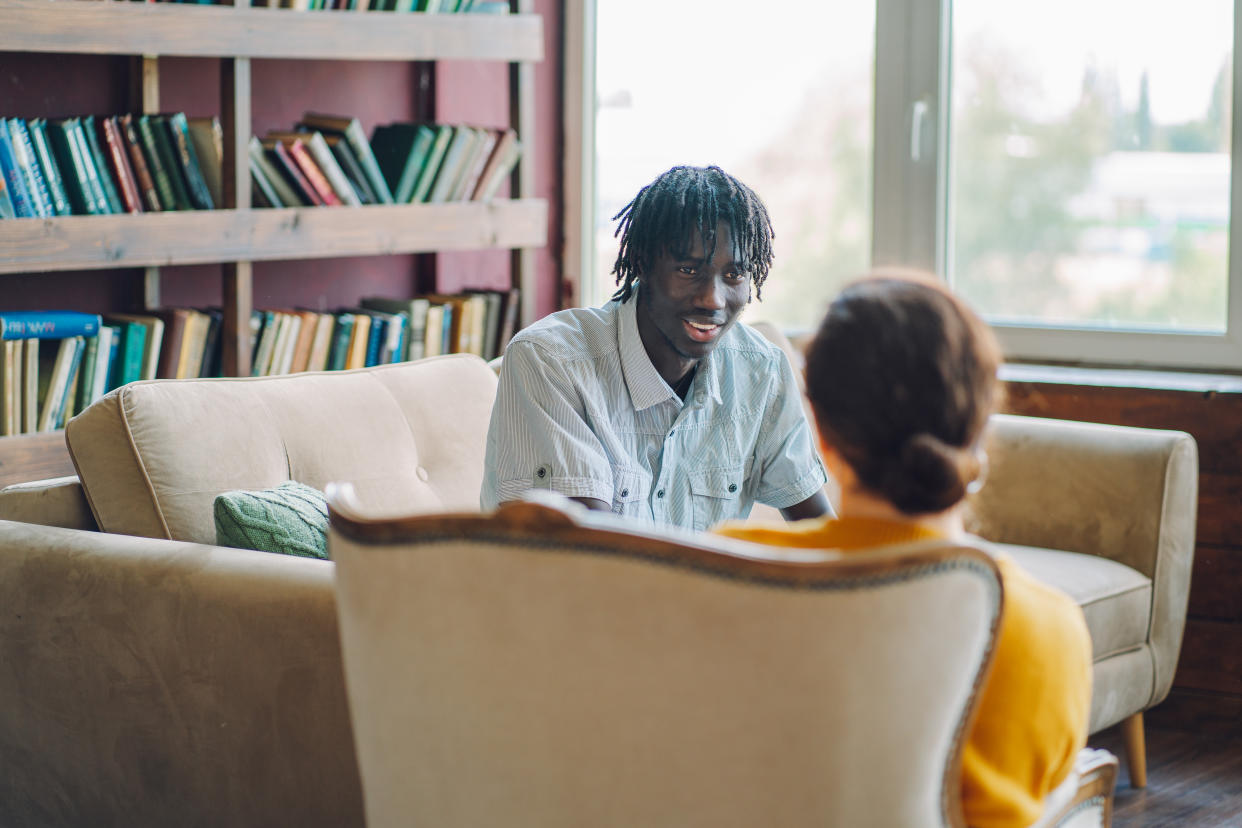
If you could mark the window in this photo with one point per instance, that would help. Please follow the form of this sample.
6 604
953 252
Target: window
1065 165
782 100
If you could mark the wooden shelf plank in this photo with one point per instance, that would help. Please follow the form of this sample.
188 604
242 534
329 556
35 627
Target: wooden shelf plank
203 236
187 30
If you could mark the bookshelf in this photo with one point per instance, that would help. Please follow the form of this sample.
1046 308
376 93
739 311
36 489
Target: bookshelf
236 235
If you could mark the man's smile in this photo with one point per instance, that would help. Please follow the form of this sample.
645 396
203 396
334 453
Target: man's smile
701 331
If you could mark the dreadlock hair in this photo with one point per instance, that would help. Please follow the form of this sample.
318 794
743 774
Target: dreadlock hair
666 214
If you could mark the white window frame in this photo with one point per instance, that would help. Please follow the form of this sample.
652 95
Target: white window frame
910 177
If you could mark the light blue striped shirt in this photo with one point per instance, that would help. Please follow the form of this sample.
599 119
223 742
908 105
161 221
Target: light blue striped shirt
582 411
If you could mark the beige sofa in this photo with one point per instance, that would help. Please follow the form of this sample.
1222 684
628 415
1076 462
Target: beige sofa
164 680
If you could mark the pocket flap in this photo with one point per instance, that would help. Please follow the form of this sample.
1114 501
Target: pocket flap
723 483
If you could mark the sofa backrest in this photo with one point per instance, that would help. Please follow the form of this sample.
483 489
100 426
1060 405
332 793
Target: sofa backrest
152 456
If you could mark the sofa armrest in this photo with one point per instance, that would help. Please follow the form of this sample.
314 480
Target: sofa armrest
58 501
1127 494
156 682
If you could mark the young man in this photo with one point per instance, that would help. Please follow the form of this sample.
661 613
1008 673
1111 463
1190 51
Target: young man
660 405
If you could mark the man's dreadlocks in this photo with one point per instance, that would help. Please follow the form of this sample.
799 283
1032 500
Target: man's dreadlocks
666 214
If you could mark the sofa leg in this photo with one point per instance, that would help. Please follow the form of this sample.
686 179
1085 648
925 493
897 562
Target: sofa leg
1136 750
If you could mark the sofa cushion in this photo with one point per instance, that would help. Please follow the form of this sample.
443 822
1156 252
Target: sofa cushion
289 519
153 455
57 501
1115 599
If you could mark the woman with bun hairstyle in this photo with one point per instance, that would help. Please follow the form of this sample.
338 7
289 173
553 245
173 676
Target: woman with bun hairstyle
902 377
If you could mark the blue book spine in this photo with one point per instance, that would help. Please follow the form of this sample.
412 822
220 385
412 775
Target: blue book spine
375 339
36 185
22 207
47 324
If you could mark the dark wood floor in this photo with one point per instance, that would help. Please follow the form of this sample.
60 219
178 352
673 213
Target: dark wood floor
1192 780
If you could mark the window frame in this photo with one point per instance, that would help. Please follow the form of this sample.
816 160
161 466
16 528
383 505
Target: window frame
911 158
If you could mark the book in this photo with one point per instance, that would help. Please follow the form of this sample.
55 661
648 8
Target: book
10 387
72 169
342 334
30 386
302 346
433 336
450 167
91 134
281 158
264 194
504 158
353 170
104 352
401 150
152 340
509 308
415 312
281 188
435 157
119 165
6 202
193 345
186 158
51 170
52 405
47 324
84 382
129 363
324 161
359 338
212 350
138 161
173 342
208 138
351 130
23 151
486 141
261 362
158 151
15 182
321 344
299 150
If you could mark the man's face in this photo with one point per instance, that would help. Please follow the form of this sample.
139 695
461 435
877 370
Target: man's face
685 305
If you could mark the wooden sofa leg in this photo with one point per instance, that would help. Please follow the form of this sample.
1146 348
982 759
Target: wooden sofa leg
1136 750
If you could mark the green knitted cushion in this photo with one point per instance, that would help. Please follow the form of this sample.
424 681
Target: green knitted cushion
291 519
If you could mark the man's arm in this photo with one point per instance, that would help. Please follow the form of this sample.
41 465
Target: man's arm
816 505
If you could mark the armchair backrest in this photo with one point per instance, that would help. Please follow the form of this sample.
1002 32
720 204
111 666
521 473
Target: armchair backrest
534 668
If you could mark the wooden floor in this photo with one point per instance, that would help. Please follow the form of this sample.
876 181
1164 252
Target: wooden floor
1192 780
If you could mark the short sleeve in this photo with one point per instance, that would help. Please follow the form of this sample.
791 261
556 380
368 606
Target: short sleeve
789 466
539 436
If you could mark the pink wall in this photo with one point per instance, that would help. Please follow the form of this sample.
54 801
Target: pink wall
55 86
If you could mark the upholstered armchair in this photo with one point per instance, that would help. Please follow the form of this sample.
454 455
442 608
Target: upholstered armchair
548 667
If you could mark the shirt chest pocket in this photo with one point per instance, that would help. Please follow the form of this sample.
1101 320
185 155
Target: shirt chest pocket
716 495
629 491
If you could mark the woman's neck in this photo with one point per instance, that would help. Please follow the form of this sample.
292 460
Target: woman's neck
856 503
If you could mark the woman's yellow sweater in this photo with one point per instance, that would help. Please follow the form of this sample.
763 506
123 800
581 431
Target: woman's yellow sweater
1033 712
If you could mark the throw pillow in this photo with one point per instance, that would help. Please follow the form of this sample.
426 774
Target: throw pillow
291 519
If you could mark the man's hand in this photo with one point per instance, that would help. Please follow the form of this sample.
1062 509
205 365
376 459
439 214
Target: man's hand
816 505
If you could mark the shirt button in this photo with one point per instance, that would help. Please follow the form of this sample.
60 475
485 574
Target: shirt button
660 493
732 487
625 492
541 472
422 474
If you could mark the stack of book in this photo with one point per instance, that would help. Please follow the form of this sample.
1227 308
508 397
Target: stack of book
431 6
53 363
115 164
326 160
382 330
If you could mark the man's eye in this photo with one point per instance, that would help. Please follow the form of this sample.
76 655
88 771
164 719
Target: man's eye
736 277
686 269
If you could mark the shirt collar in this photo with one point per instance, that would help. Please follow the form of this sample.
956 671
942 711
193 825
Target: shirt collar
646 386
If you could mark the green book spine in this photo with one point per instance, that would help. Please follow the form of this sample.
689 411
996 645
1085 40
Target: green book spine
183 148
68 159
160 161
86 376
28 162
101 165
128 365
435 156
423 141
340 341
51 170
77 139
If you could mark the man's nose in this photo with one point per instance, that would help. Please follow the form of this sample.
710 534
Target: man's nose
711 294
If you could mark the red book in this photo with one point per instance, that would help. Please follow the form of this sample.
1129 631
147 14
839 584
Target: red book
281 157
146 185
297 148
118 156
